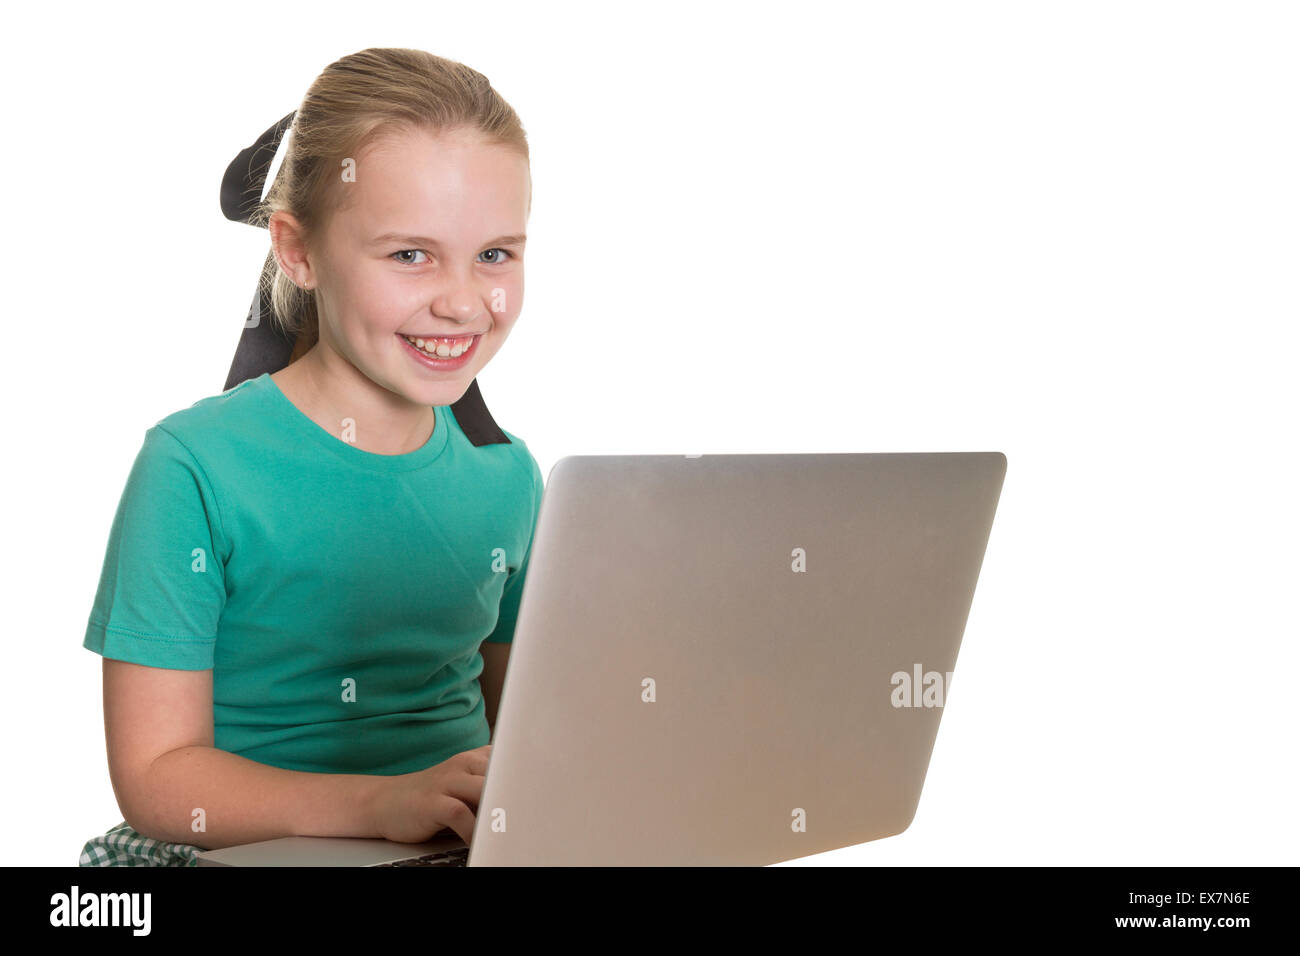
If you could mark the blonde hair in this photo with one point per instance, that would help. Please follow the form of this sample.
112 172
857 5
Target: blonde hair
354 102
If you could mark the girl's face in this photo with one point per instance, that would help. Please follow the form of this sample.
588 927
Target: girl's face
428 241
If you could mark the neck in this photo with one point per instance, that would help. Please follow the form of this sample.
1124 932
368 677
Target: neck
330 390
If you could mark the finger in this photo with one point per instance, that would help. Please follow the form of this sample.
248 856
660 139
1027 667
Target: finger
466 786
458 817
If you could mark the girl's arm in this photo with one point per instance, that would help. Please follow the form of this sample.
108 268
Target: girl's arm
164 767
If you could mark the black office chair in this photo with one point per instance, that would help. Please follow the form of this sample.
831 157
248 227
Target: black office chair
263 347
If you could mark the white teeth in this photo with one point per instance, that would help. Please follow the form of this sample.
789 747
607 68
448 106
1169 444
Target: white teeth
443 350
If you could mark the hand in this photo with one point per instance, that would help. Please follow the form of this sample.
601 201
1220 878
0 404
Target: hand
412 807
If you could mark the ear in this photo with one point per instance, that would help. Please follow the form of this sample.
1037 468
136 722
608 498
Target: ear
288 248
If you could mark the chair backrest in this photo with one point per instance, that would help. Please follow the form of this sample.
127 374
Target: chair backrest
263 347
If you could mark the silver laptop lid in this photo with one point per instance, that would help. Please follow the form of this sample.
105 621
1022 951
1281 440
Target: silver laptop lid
732 659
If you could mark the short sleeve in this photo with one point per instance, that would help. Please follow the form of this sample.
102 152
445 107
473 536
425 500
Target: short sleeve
504 632
162 588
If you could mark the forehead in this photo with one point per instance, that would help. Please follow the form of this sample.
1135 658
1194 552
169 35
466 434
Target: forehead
420 183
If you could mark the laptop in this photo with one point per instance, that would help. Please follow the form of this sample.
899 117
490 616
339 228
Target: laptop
719 660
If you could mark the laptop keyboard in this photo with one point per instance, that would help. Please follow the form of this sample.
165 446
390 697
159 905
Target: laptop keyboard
456 857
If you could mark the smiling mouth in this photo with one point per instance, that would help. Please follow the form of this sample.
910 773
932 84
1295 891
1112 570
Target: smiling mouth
443 346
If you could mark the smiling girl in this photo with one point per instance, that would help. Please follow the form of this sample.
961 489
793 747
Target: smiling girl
312 579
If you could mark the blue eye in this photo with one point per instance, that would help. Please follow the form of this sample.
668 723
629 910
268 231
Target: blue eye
407 262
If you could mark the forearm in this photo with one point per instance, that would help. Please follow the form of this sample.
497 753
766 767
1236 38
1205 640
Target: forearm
244 801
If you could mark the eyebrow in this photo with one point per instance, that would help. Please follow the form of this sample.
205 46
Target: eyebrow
518 240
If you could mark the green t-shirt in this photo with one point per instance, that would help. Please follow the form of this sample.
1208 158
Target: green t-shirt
338 596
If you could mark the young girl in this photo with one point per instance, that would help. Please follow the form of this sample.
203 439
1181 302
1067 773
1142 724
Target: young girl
312 579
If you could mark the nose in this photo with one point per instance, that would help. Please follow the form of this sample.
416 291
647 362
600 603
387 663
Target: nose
461 302
459 307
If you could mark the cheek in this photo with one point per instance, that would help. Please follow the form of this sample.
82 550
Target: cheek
502 325
507 299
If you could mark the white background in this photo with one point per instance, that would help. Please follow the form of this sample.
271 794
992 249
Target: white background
1068 232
